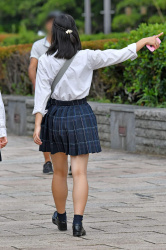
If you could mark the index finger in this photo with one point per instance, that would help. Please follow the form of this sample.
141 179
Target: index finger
160 34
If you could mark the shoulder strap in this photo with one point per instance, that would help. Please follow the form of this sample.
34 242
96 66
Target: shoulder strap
61 73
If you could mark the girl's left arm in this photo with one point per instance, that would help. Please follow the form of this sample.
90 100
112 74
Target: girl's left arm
99 59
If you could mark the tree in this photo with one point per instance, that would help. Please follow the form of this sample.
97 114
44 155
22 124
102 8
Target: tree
32 13
148 11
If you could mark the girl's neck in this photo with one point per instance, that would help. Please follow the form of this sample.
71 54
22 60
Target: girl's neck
49 38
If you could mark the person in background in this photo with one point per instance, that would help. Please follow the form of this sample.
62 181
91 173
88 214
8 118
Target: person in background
39 48
3 134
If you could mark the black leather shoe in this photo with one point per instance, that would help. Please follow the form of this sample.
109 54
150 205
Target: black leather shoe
70 171
47 168
62 225
78 230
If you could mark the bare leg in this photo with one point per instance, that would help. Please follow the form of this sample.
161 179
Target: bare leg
59 182
47 156
80 183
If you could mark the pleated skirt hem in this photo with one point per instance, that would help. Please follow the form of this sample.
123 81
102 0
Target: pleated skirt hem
46 148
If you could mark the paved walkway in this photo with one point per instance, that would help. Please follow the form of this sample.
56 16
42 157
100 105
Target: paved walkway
126 207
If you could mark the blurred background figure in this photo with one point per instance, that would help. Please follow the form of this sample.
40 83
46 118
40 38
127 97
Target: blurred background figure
38 49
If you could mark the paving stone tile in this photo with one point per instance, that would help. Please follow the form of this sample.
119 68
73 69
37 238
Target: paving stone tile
126 207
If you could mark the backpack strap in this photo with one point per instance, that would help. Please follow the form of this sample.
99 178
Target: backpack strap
61 73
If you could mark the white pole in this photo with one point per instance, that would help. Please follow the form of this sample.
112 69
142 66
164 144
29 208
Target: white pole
107 16
87 6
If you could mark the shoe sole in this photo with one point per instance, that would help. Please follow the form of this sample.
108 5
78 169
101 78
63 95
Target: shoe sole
78 234
63 228
48 173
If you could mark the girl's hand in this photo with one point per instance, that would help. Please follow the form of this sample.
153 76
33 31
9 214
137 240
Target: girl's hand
3 142
148 41
153 41
36 135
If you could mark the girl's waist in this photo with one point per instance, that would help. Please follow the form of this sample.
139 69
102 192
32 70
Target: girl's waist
68 103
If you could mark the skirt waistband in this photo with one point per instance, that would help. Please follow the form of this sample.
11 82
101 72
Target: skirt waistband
68 103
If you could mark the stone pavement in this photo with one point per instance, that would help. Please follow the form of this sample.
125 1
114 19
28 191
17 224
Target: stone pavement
126 207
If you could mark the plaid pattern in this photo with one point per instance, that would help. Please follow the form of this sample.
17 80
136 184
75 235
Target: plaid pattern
70 127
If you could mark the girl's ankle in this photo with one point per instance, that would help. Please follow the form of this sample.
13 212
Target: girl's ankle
77 219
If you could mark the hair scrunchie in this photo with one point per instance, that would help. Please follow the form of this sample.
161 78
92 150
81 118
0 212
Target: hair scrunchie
67 31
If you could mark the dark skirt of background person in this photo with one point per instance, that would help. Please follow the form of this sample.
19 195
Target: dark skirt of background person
70 127
0 157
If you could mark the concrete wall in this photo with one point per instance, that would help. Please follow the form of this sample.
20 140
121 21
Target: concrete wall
126 127
16 114
150 131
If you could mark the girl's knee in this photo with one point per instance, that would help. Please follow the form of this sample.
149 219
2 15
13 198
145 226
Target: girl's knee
60 172
78 173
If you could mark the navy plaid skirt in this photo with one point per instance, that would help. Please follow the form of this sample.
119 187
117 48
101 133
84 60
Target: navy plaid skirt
70 127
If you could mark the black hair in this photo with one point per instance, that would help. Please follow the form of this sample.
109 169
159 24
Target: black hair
65 38
52 15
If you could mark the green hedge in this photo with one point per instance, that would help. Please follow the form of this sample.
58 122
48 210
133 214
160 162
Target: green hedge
142 81
25 37
101 36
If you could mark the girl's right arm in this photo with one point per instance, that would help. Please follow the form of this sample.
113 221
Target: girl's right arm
36 134
42 94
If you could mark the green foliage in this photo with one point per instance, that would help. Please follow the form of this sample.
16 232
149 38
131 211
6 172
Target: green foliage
154 12
101 36
100 100
23 37
32 13
154 19
120 22
142 81
132 3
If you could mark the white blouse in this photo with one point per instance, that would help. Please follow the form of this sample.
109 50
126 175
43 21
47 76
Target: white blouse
76 82
2 119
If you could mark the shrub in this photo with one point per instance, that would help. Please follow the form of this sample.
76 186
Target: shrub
122 21
99 44
142 81
102 36
14 62
4 36
23 37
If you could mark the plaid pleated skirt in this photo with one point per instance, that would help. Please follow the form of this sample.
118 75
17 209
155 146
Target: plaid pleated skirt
70 127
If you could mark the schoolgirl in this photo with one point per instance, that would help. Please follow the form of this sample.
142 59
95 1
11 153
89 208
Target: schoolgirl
69 125
3 135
